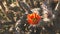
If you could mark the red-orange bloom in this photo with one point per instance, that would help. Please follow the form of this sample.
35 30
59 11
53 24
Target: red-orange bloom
33 18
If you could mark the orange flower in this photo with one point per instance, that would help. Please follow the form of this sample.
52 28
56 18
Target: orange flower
33 18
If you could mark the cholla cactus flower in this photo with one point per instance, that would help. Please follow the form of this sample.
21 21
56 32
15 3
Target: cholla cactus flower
33 18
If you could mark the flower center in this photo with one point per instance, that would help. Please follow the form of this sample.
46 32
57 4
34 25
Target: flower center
34 19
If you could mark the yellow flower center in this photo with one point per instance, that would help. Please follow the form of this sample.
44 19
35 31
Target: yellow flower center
34 19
